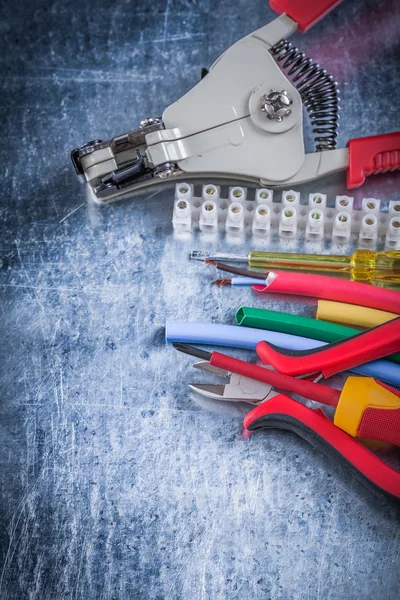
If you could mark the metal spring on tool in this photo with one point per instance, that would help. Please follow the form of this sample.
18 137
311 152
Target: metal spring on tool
317 89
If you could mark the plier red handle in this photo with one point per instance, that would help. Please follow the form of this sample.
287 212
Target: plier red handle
335 357
282 412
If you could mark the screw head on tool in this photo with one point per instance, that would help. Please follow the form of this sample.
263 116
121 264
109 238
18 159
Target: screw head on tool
276 105
149 121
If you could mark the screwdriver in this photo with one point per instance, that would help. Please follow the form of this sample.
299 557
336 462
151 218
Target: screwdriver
363 265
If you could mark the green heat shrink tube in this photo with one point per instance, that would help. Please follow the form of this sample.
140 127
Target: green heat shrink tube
297 325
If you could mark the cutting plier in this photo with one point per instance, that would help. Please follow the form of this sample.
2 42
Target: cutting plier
311 424
365 409
243 122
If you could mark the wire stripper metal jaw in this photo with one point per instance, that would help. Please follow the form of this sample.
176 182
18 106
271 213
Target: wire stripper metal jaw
242 122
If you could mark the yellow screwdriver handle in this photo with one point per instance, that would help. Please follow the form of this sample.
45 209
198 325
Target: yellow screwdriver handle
363 265
367 265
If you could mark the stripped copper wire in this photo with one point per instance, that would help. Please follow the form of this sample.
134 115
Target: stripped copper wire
221 282
236 271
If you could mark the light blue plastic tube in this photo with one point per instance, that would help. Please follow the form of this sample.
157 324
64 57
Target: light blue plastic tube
213 334
246 281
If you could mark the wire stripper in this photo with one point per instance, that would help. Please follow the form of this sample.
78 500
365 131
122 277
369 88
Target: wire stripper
241 119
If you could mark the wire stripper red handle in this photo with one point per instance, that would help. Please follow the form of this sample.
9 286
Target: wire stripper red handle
281 412
371 156
336 357
305 12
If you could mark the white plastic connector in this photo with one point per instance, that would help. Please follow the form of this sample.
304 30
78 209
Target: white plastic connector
184 191
182 216
210 192
393 233
235 218
315 225
288 222
394 208
208 221
290 198
191 217
371 206
264 196
369 228
261 225
317 201
341 228
237 194
344 203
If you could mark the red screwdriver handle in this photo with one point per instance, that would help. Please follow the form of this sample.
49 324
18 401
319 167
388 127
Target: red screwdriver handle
338 356
281 412
305 12
371 156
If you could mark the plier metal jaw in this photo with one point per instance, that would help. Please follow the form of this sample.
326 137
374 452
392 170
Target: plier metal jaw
243 122
237 388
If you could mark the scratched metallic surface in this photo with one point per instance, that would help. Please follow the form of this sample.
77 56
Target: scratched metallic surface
115 482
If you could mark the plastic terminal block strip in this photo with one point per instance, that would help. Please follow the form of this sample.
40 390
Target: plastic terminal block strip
263 213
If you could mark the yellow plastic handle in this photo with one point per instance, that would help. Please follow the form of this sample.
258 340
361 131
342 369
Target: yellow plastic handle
382 268
368 409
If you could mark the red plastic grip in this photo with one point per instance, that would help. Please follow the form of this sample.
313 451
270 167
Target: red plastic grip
375 470
371 156
339 356
380 424
331 288
303 387
305 12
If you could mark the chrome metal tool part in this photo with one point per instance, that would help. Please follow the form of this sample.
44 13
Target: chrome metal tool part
237 389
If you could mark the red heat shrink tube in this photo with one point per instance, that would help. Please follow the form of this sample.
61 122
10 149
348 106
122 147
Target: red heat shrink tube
330 288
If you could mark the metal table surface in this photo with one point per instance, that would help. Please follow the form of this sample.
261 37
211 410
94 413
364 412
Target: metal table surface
115 482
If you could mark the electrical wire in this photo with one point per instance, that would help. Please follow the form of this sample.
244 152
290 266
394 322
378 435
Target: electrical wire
237 270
